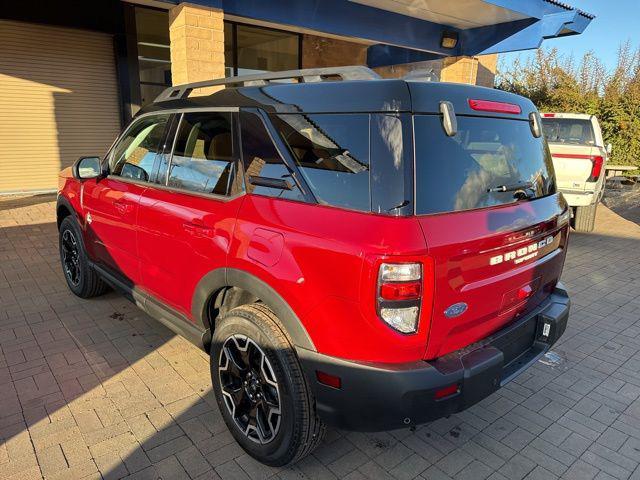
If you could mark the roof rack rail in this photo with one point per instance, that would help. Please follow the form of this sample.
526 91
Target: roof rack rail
308 75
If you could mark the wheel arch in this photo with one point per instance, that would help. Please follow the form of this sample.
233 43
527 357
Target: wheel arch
217 282
63 209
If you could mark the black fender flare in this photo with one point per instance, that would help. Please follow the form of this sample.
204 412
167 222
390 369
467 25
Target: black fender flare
231 277
62 201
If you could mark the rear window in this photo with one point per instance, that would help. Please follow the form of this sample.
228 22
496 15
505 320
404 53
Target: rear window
568 130
460 172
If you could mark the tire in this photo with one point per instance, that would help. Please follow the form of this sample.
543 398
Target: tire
584 219
292 429
81 279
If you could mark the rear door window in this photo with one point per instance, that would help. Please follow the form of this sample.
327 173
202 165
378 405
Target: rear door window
262 159
203 158
332 154
464 172
572 131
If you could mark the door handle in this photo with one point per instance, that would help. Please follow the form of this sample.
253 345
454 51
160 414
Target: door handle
123 207
197 230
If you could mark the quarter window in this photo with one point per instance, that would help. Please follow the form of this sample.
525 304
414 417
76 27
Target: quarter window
136 154
332 153
203 159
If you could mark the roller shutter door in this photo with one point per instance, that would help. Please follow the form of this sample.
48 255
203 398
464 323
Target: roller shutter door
58 101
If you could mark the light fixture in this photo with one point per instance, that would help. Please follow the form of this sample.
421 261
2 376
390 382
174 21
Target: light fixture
449 39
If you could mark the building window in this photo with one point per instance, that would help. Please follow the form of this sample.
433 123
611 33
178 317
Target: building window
250 49
154 54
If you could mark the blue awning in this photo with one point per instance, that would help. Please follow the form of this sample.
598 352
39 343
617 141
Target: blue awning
403 31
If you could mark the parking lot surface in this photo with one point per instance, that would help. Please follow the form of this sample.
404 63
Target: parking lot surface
99 389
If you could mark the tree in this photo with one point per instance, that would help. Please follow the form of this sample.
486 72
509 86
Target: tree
556 83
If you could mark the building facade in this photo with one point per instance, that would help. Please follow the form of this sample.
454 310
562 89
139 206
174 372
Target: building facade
73 73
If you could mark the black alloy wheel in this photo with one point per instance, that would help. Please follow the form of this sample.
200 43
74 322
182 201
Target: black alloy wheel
260 387
71 257
78 272
250 388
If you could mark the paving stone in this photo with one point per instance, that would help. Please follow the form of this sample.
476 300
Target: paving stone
612 439
170 469
410 468
581 470
517 467
454 462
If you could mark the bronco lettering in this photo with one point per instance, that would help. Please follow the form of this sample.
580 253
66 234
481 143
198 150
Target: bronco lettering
521 254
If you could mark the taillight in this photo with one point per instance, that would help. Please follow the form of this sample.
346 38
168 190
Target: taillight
549 115
399 295
400 291
596 168
495 107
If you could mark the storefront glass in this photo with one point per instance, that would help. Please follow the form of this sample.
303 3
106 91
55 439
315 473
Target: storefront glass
154 58
250 49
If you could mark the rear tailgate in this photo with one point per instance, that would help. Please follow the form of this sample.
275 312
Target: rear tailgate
505 260
573 164
487 203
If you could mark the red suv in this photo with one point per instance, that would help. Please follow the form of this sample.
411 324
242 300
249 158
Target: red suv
365 253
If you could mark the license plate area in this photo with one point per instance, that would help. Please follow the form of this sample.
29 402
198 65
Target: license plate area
517 341
522 347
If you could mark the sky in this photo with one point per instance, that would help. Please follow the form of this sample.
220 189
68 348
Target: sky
616 22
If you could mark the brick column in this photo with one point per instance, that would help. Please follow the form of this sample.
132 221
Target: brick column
197 44
474 70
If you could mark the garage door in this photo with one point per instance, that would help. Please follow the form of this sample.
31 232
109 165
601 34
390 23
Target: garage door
58 99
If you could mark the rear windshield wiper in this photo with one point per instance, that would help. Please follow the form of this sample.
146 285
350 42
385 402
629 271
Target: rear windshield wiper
511 188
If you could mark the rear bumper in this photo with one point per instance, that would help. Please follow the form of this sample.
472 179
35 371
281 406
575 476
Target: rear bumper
579 198
376 397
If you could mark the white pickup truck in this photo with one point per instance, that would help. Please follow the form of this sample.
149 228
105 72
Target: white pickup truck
579 157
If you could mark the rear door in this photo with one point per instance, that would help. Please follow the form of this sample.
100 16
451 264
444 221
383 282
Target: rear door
111 204
497 254
187 216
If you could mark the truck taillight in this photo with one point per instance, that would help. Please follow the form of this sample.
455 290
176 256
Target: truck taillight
596 168
399 295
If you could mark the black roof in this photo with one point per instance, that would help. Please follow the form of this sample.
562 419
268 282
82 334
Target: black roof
352 96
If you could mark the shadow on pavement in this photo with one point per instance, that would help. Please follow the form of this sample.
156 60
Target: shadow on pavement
12 202
624 200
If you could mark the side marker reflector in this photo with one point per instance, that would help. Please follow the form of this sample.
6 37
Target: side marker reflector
328 379
446 391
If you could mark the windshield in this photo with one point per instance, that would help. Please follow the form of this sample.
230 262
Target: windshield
490 161
573 131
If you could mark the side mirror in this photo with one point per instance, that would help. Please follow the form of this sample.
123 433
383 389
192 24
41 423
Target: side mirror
609 148
87 167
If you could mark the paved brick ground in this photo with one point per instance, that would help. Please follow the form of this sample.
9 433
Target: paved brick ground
97 388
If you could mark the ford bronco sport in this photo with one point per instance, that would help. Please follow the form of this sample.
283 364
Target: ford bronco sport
370 254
